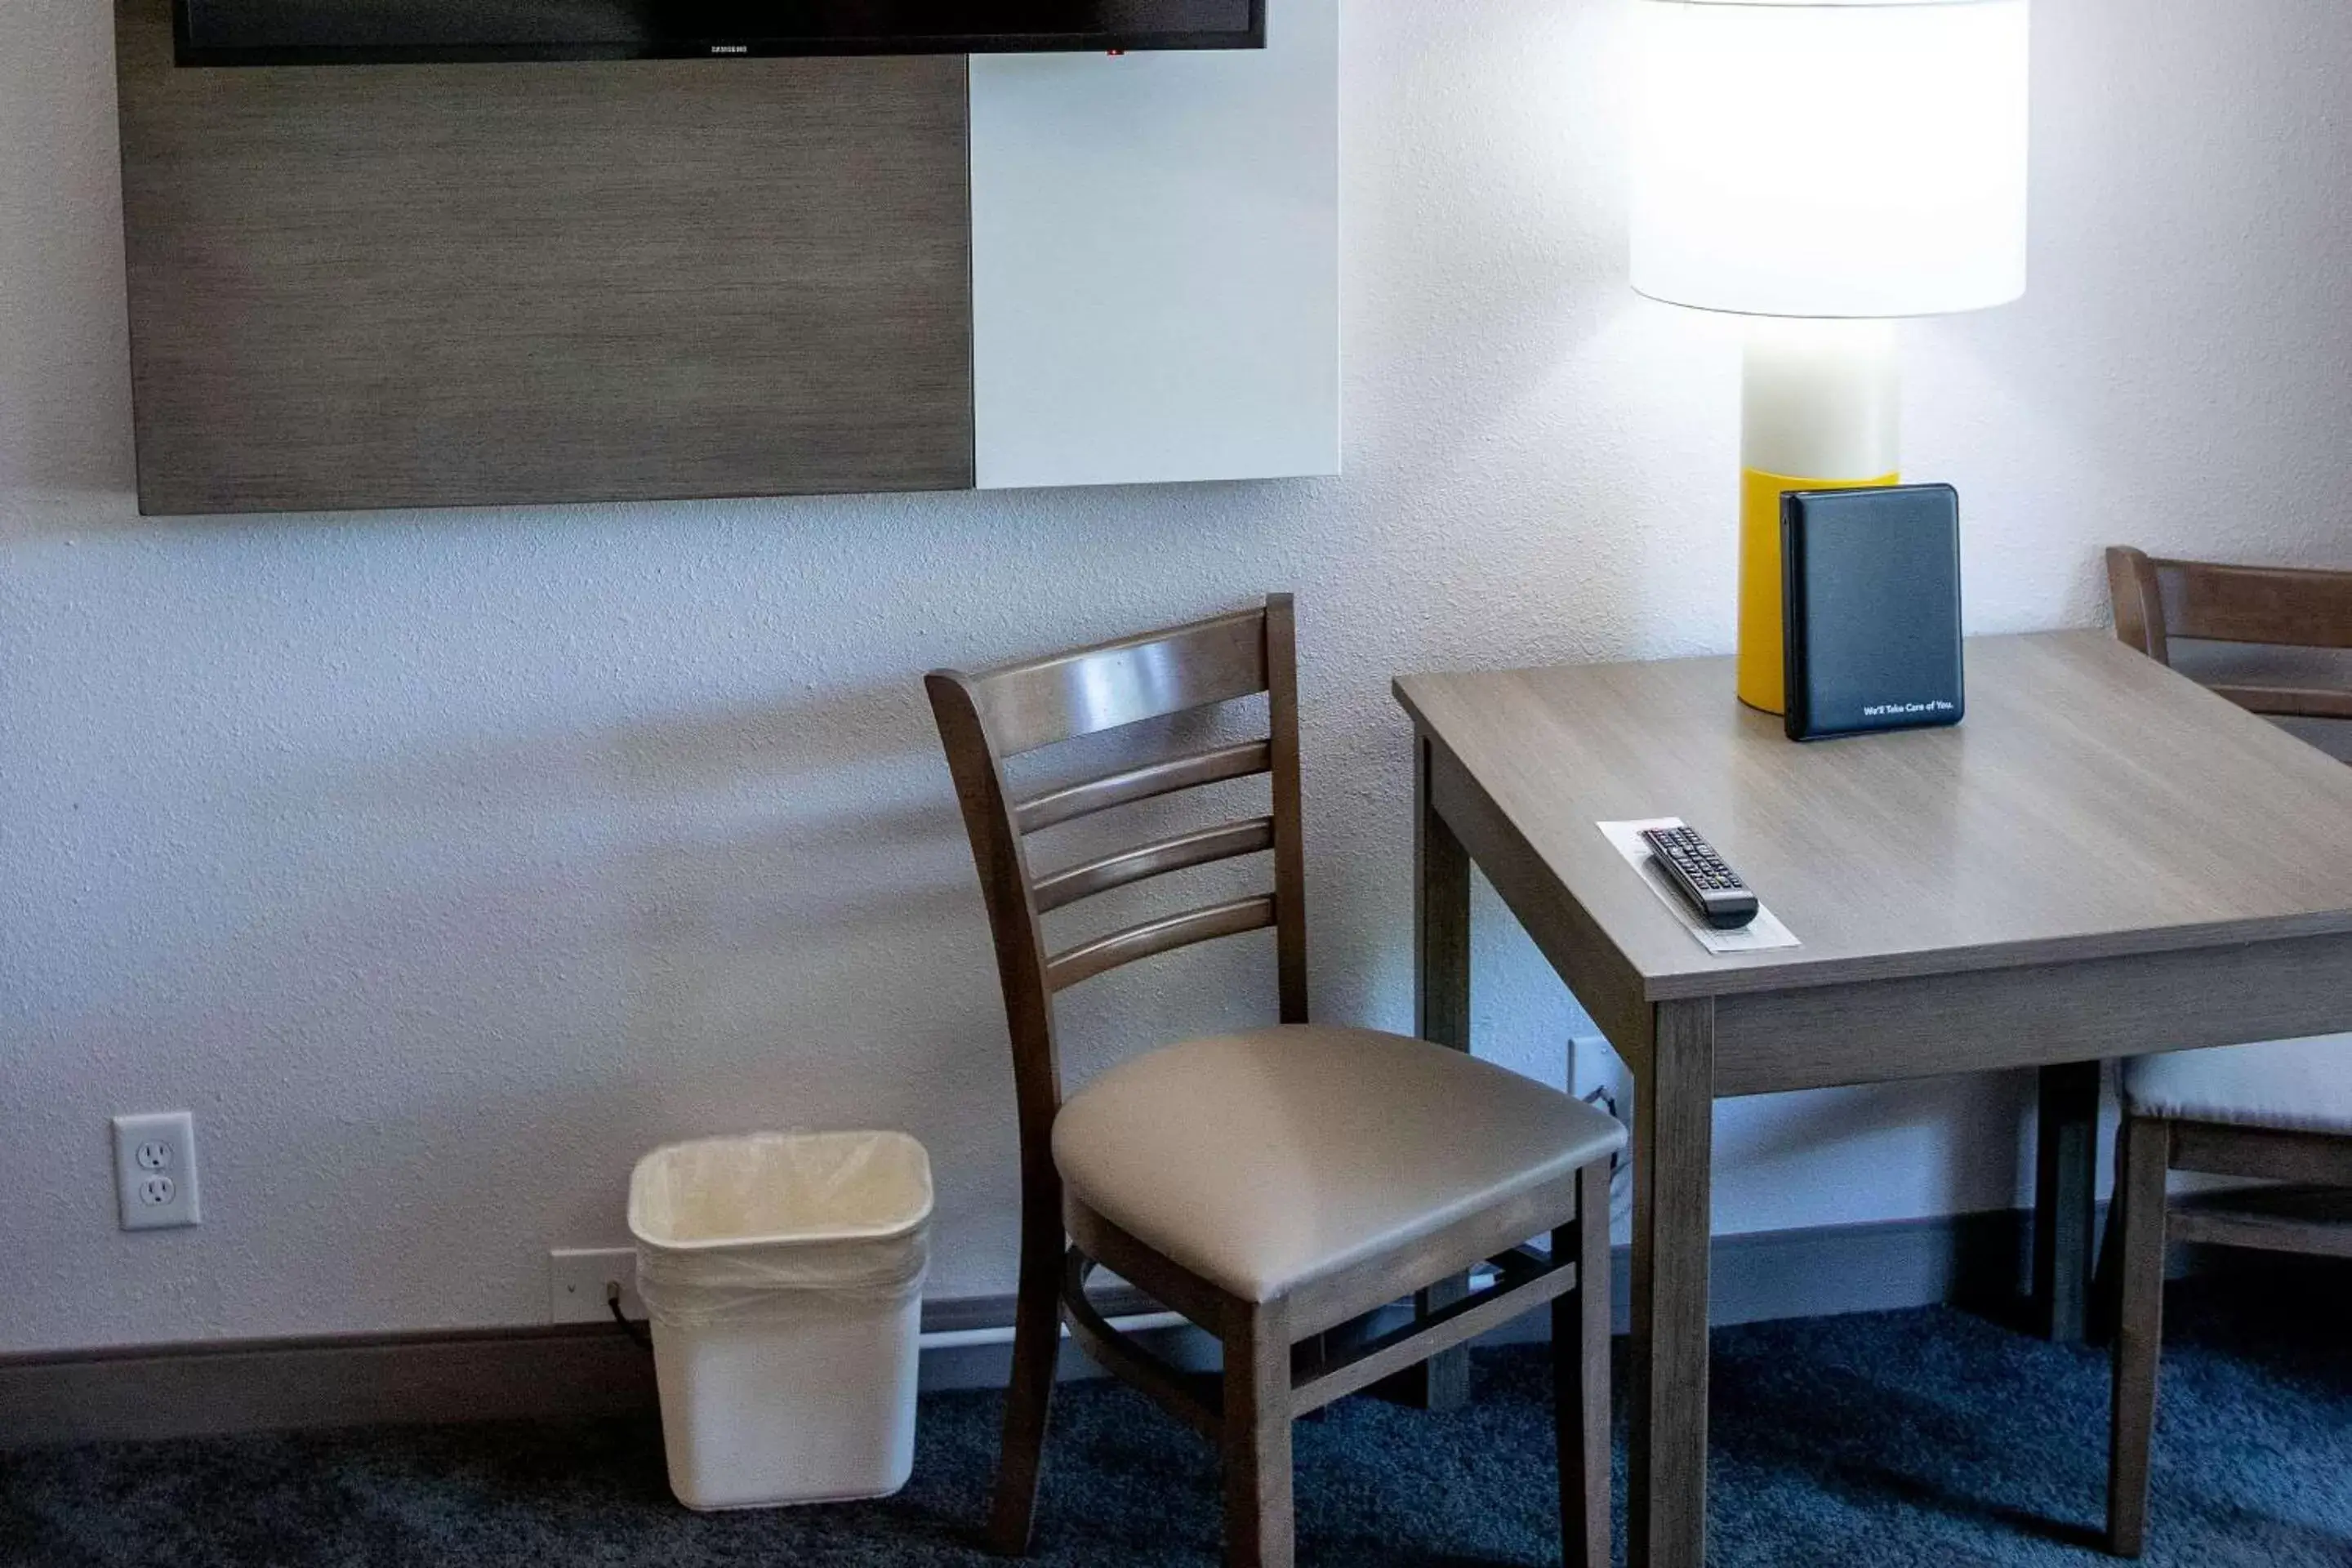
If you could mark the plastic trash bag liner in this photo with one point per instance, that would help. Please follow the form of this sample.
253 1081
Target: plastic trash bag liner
734 1229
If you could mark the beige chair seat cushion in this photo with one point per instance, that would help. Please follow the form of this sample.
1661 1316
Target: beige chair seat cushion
1265 1160
2296 1085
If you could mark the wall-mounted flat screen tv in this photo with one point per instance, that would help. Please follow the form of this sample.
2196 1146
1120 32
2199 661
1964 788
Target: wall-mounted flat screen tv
357 32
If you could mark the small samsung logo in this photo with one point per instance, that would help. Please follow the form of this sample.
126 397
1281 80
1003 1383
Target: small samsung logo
731 48
1894 710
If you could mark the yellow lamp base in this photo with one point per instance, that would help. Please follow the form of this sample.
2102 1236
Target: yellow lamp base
1762 680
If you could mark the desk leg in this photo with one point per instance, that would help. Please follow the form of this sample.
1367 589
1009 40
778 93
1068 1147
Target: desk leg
2065 1199
1672 1151
1441 920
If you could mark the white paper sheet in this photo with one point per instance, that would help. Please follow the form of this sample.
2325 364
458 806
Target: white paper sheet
1761 934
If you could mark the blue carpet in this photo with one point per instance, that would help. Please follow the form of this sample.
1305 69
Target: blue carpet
1929 1437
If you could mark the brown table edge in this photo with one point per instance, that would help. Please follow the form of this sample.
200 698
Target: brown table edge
1751 975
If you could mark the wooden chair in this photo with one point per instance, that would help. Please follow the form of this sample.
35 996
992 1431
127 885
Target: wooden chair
2267 607
1273 1183
2280 1111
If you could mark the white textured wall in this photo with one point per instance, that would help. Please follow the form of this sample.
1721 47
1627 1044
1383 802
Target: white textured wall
441 863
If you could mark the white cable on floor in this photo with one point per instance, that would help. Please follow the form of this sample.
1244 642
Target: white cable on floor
958 1339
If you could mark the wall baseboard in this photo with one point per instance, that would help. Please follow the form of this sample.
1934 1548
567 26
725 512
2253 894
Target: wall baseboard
186 1391
179 1391
1979 1260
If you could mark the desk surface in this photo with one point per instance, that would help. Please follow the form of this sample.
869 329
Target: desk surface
2094 803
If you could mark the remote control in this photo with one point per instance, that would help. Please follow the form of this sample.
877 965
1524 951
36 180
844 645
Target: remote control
1699 875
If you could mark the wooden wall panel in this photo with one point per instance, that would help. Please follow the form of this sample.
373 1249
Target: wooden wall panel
485 284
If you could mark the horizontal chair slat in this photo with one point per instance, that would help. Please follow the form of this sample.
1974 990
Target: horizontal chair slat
2289 702
1521 1289
1164 935
2262 1232
1190 1398
2266 1154
1158 859
1164 777
2268 605
1125 682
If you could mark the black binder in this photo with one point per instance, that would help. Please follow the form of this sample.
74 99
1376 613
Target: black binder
1870 609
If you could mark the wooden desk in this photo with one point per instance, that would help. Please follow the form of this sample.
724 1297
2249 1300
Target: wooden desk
2092 866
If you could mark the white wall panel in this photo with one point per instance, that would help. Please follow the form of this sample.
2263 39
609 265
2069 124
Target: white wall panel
1155 261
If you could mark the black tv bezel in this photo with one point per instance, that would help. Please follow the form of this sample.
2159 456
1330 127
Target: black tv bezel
187 53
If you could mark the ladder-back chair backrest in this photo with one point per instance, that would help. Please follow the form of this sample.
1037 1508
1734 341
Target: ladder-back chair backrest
988 718
2158 600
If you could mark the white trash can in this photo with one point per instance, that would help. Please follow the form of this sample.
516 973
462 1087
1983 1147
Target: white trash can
783 1274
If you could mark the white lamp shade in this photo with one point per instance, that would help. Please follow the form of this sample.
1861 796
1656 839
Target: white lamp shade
1848 158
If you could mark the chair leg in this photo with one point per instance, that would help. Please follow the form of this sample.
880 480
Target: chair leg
1257 1437
2107 1277
1037 1347
2144 1154
1579 1370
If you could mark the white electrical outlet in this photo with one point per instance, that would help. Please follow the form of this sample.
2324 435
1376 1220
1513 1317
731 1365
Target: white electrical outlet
577 1278
155 1170
1592 1065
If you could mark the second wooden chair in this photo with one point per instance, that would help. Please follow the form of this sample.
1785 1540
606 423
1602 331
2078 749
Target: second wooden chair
2280 1111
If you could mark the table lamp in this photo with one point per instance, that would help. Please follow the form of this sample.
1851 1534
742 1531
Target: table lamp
1824 167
